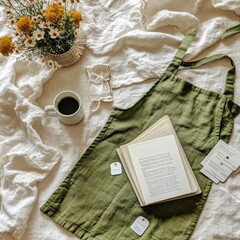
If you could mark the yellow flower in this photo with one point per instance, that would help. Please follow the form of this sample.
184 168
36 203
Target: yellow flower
54 13
76 17
6 46
25 24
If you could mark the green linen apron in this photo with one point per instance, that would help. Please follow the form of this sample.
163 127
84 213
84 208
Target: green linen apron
95 205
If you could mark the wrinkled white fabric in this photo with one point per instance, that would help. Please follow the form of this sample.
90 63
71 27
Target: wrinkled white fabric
25 159
137 39
183 21
233 5
122 30
209 22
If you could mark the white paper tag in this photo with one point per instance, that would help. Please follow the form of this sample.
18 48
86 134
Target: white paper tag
209 175
116 168
216 167
229 155
140 225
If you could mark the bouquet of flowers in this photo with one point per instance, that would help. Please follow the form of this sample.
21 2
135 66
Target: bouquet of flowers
40 27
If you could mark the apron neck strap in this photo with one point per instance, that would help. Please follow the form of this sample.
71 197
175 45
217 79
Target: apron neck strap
230 78
178 59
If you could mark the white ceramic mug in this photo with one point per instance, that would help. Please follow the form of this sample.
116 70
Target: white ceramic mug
67 106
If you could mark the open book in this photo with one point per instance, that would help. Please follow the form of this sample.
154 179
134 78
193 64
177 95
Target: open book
157 166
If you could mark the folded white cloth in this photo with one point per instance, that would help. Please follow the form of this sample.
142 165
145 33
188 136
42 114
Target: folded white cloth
233 5
99 87
25 159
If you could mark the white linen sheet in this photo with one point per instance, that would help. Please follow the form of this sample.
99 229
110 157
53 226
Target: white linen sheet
137 39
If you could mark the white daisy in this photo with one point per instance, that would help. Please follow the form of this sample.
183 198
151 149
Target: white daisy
54 33
57 65
8 12
54 64
34 19
50 63
39 17
38 35
30 42
44 25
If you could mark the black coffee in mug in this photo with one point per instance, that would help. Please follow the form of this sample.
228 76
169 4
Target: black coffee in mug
68 106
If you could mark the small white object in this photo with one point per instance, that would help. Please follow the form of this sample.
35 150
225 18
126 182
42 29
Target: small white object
209 175
116 168
221 161
100 90
140 225
216 167
229 155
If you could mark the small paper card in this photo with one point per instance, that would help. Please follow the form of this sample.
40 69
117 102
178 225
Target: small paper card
140 225
216 167
209 175
221 161
116 168
227 153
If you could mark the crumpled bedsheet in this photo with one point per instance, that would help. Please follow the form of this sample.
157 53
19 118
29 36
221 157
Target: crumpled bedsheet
25 159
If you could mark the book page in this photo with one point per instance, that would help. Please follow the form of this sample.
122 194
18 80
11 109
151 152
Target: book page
159 169
158 130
